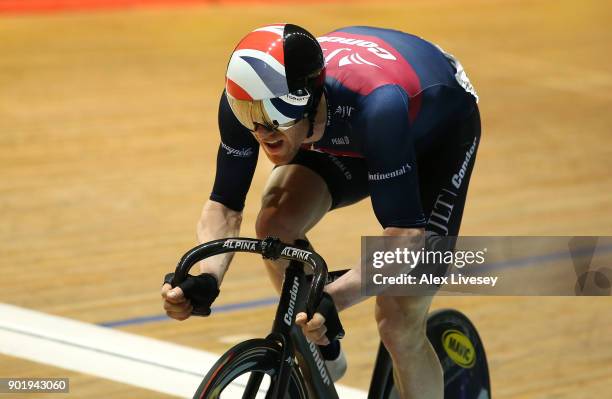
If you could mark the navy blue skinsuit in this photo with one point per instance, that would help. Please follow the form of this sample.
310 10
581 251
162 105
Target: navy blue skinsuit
402 127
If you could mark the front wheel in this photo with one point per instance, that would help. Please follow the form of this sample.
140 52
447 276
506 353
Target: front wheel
257 357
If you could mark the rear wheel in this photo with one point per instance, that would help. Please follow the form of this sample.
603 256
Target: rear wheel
255 359
461 353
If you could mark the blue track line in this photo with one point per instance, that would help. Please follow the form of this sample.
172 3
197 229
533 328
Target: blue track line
232 307
258 303
530 260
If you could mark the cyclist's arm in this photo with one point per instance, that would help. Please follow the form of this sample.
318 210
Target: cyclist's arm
222 213
393 185
217 221
346 291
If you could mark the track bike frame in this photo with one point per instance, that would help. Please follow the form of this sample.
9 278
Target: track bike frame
300 293
296 293
294 343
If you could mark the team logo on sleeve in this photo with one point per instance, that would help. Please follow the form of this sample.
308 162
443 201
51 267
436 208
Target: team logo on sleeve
240 153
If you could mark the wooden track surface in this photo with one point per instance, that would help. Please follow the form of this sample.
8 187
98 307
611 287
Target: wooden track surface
108 141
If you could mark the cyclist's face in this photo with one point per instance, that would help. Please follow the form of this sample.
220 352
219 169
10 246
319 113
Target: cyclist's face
281 146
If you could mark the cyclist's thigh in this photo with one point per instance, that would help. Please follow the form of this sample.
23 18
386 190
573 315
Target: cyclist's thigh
444 176
294 195
312 184
345 177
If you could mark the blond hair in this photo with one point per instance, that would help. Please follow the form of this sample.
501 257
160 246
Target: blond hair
249 112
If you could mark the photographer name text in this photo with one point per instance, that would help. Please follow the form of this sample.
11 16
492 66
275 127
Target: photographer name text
428 279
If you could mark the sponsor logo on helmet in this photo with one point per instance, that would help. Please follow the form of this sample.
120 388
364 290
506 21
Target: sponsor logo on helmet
296 99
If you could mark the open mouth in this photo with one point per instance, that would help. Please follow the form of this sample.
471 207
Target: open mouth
273 145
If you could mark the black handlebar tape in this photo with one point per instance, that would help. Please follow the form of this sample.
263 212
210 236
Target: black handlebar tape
270 247
168 279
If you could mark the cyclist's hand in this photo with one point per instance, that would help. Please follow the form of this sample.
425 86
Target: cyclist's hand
195 293
175 303
314 329
325 325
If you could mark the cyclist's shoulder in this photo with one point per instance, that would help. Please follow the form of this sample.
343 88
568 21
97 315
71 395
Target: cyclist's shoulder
383 42
387 101
380 115
357 118
364 57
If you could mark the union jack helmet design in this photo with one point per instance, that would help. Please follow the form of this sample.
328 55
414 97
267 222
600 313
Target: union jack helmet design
281 65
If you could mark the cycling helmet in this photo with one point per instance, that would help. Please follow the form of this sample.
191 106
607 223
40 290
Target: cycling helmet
276 71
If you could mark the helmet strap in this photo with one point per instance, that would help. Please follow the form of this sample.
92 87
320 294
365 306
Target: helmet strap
310 127
313 112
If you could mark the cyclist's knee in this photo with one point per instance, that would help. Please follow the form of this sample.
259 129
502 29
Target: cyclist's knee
401 322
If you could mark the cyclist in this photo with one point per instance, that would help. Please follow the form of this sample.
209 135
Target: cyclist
358 112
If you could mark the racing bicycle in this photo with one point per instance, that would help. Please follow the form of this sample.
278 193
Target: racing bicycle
286 365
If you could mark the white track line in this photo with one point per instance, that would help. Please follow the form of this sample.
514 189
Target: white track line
107 353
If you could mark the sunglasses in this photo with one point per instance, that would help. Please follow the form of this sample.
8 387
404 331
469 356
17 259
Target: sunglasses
285 111
275 125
